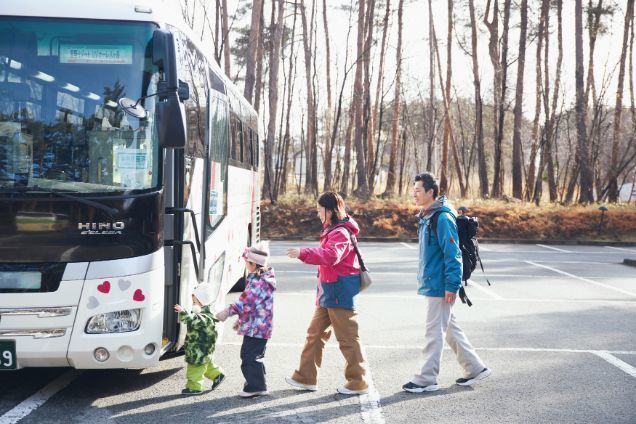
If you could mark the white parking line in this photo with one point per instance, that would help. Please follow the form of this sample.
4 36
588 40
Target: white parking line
37 399
617 363
370 406
485 290
408 246
621 248
555 248
606 286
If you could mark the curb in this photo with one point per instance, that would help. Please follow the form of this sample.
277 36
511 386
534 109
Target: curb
481 240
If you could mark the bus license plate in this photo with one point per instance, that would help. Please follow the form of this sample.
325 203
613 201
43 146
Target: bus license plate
7 355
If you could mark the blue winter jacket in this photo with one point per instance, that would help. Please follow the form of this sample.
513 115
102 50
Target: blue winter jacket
440 268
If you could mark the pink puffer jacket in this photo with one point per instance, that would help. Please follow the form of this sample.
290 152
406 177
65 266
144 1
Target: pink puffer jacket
336 256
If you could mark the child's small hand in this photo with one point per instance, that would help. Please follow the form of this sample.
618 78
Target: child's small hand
235 327
222 315
178 308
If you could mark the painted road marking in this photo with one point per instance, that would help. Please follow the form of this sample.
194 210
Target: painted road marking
621 248
617 363
370 403
37 399
408 246
606 286
486 290
554 248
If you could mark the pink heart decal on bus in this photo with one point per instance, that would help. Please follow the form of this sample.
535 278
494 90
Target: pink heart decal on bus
139 296
104 287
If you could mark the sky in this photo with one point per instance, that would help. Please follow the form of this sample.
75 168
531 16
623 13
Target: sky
415 49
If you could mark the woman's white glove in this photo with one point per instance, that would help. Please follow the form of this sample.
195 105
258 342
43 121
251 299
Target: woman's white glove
222 315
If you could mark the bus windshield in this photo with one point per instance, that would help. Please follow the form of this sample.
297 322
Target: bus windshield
60 125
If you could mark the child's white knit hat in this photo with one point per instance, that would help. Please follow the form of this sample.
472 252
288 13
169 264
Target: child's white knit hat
258 253
204 294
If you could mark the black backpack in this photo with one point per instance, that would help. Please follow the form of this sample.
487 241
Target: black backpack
467 231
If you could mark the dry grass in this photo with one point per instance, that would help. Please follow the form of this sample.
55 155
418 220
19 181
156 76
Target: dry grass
295 216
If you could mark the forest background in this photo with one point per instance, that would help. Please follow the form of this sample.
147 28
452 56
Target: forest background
524 109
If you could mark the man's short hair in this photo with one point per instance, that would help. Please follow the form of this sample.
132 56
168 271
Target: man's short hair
429 182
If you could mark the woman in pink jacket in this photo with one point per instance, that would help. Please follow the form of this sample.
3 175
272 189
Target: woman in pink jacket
338 287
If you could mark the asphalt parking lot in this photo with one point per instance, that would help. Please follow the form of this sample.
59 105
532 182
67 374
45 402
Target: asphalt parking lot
557 327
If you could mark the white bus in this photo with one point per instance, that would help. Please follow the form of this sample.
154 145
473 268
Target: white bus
128 175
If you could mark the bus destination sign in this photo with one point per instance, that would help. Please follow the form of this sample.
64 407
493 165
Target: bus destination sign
93 54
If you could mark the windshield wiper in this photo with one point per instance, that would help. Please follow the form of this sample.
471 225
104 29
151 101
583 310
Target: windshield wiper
64 193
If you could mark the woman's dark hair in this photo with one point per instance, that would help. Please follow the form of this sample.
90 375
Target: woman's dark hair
429 182
333 202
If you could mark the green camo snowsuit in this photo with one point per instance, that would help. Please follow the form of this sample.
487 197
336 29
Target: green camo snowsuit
199 347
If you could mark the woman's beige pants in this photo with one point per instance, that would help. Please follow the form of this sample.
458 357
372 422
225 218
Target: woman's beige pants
345 325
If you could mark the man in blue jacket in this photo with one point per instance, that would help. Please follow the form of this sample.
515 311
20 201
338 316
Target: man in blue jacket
440 277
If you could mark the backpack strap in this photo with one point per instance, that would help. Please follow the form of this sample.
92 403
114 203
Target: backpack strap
354 243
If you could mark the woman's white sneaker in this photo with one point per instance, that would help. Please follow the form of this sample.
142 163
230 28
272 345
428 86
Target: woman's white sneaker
301 386
344 391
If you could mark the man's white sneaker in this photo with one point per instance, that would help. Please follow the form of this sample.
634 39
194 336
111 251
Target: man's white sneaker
344 391
301 386
469 381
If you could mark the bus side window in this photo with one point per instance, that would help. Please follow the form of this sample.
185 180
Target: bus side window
219 140
248 159
256 149
235 150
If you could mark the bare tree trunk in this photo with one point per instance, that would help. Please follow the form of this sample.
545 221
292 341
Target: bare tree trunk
449 116
217 29
551 124
444 185
328 146
310 182
252 46
362 190
493 52
258 90
517 179
530 178
290 91
586 181
378 97
367 128
347 154
613 184
593 23
274 61
314 148
631 76
479 123
402 162
432 116
226 38
391 177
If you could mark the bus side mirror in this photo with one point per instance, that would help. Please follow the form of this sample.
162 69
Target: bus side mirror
171 120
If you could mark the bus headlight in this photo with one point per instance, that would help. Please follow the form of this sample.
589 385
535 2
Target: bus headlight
114 322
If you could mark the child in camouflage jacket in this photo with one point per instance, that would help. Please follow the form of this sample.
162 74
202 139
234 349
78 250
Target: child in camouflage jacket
200 342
